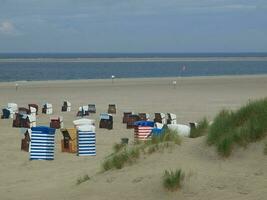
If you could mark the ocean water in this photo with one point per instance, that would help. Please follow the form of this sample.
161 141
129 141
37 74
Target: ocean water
32 67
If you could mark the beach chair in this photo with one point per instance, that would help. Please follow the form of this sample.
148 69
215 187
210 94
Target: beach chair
6 113
83 111
22 121
56 122
69 141
91 108
106 121
143 130
25 142
47 109
13 108
66 106
111 109
131 120
144 116
42 143
126 116
86 140
31 106
171 118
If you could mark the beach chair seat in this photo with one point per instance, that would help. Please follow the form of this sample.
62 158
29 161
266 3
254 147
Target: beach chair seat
69 141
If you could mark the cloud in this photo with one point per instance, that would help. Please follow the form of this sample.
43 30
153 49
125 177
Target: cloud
7 28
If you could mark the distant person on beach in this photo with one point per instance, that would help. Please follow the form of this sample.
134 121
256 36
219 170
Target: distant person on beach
17 85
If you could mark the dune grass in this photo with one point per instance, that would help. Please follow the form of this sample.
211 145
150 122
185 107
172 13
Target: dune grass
201 129
125 154
82 179
265 148
172 180
241 127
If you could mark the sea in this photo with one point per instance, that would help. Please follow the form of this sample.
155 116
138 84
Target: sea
75 66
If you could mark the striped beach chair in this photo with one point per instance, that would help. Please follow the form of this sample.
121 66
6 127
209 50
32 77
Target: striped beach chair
86 141
42 143
143 130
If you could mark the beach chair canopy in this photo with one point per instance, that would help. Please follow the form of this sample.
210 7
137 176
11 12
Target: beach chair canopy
144 123
33 109
91 105
161 115
48 105
67 103
80 122
90 128
83 108
12 106
23 110
57 118
33 106
171 116
44 130
127 113
105 116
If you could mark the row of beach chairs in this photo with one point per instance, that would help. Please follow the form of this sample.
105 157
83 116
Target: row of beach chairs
40 141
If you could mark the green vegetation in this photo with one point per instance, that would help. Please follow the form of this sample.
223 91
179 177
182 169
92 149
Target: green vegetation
201 129
172 180
125 154
248 124
118 147
265 149
82 179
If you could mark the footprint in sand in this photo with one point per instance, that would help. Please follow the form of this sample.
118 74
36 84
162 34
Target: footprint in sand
138 179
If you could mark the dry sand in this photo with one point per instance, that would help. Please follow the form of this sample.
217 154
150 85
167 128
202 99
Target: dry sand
242 176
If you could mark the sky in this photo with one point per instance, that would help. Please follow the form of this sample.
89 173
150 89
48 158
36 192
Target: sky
137 26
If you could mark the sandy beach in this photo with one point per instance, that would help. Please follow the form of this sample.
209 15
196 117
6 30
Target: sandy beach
208 176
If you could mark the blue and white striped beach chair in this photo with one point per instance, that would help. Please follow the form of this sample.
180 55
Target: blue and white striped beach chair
42 143
86 140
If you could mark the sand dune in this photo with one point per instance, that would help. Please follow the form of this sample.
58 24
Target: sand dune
242 176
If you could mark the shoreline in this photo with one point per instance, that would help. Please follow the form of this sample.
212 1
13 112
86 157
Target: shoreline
138 59
134 79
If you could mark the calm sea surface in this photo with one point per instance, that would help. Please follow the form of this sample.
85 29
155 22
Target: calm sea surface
31 67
